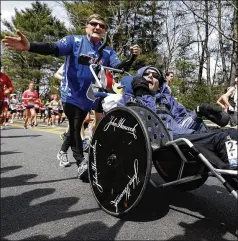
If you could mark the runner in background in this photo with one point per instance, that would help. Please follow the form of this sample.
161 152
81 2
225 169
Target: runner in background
61 111
48 112
20 110
169 79
55 105
42 111
29 97
228 102
37 109
8 110
59 75
6 88
13 107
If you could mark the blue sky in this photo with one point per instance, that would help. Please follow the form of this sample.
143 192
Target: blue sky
7 9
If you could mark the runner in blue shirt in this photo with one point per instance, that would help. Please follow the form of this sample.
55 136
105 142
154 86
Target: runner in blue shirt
76 94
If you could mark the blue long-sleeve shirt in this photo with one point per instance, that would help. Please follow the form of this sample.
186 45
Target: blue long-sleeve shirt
76 86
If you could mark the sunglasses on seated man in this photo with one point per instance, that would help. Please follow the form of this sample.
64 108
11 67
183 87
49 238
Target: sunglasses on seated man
153 72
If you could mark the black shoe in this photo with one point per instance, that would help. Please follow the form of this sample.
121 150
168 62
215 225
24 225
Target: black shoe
214 114
207 109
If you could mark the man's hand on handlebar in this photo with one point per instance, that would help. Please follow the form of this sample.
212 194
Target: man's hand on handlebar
126 64
84 59
135 50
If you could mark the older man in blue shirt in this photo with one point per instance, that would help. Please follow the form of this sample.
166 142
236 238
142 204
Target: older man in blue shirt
76 82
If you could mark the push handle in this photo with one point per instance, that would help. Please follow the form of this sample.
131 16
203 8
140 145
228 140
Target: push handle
84 59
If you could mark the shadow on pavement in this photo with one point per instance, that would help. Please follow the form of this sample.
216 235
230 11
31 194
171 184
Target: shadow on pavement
18 213
204 229
20 136
9 152
209 202
21 180
207 206
153 206
12 127
207 219
90 231
9 168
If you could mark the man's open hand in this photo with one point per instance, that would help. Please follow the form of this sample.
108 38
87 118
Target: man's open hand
17 43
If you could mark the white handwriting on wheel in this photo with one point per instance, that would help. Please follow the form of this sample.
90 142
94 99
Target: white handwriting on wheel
134 181
94 168
120 124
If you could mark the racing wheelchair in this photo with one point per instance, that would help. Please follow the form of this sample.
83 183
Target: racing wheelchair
127 142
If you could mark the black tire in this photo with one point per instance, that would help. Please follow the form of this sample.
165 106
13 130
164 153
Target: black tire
120 161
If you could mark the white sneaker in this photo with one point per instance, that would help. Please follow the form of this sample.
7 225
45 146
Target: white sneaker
11 121
63 158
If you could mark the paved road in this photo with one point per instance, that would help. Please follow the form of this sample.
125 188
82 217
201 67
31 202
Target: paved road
42 201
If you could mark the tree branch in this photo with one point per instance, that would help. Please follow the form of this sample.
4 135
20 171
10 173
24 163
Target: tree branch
223 34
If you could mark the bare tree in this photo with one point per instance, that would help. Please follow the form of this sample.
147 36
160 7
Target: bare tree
221 44
234 58
216 16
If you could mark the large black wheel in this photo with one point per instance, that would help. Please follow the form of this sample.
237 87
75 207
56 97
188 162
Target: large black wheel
120 160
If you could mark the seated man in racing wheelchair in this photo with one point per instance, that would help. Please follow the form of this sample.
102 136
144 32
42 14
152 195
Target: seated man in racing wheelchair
148 87
150 127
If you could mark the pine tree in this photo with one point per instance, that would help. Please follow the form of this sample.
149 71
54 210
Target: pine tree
129 23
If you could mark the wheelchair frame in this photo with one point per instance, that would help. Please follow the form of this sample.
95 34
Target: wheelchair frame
213 171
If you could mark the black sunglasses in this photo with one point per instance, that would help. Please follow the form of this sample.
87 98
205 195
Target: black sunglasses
154 74
95 24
